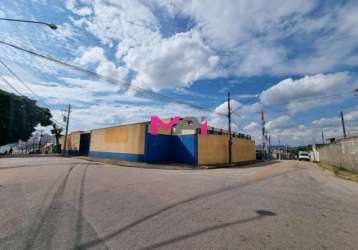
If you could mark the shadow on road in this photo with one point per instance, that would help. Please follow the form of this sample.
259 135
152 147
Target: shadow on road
260 215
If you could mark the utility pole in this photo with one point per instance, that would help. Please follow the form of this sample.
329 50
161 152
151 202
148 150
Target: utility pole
67 122
269 146
263 133
322 138
229 125
343 125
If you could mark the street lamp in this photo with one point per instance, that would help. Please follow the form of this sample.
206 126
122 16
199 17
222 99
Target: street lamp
50 25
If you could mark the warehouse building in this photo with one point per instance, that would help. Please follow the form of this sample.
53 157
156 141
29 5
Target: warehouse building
134 142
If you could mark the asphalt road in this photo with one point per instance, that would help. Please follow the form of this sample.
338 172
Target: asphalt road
57 203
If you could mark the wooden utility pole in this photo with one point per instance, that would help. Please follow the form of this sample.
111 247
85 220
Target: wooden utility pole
322 138
229 125
67 122
343 125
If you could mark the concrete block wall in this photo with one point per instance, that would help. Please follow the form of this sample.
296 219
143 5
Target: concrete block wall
343 153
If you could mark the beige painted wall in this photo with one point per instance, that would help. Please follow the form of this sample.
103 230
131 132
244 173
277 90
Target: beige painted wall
213 149
243 150
73 141
122 139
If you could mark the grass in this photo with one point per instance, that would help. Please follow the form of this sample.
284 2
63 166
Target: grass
340 172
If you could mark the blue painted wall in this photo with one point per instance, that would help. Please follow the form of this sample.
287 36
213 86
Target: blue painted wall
117 156
157 148
184 149
171 148
160 149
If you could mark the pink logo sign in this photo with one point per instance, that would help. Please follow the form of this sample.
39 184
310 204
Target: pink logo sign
192 123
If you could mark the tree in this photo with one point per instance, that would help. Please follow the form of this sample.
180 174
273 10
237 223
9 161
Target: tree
57 132
19 116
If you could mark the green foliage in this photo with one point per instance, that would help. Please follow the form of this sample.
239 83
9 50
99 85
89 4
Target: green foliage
19 116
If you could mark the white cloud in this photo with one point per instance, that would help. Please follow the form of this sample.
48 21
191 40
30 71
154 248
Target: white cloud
252 126
246 96
252 37
129 22
262 37
78 92
223 108
91 56
106 68
351 120
72 5
280 122
283 129
326 122
174 62
309 91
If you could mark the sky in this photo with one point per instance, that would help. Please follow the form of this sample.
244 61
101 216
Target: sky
295 60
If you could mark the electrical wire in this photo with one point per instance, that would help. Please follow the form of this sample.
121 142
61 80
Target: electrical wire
108 79
28 88
12 87
18 79
155 94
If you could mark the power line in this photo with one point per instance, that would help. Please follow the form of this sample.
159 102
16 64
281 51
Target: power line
142 90
17 78
109 79
12 87
68 65
24 84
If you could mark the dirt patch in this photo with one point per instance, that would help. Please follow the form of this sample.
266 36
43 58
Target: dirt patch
339 172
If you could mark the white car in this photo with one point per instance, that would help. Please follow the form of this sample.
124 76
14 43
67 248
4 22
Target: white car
303 156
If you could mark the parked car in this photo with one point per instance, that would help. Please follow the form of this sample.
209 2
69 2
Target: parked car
303 156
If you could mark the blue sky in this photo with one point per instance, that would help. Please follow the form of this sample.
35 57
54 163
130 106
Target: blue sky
296 60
